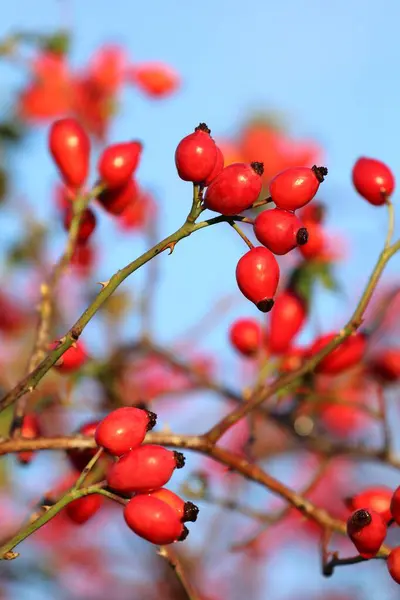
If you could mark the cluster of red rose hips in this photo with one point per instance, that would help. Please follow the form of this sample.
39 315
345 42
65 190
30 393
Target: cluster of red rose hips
69 146
375 509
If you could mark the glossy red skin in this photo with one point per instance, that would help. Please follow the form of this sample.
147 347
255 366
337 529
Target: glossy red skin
235 189
316 241
118 163
153 520
30 429
116 200
387 365
69 146
246 336
287 318
277 230
393 564
81 510
345 356
375 498
369 538
122 430
395 505
195 156
72 359
87 224
257 274
143 469
218 166
173 500
373 180
80 458
293 188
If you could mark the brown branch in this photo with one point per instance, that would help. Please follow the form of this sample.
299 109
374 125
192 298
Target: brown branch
173 561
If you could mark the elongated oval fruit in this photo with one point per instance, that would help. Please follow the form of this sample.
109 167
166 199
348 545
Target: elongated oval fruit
373 180
285 322
72 359
154 520
124 429
295 187
367 530
280 230
196 155
386 365
347 355
116 200
118 163
257 275
235 189
69 146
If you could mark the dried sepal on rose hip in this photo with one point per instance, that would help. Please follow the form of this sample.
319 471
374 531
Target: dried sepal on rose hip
186 511
235 189
124 429
144 469
69 146
367 530
118 162
257 275
280 230
377 498
82 509
373 180
72 359
286 320
196 155
246 336
295 187
154 520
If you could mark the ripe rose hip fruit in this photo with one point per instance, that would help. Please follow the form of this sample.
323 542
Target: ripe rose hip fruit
376 498
144 469
345 356
124 429
218 166
116 200
373 180
316 242
235 189
69 146
246 336
196 155
80 458
314 212
280 230
30 429
295 187
87 224
367 530
286 320
185 511
386 366
393 564
118 163
257 275
72 359
154 520
395 505
82 509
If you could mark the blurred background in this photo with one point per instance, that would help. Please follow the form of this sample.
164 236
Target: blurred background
283 82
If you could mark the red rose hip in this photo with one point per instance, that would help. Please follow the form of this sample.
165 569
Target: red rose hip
286 320
347 355
82 509
124 429
144 469
257 275
393 564
116 200
72 359
367 530
196 155
235 189
376 498
246 336
386 366
218 166
154 520
118 163
69 146
280 230
395 505
373 180
295 187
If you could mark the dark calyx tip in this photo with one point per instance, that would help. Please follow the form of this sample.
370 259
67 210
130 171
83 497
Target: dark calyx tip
184 534
265 305
190 512
302 236
179 460
361 518
348 502
203 127
257 167
320 172
152 420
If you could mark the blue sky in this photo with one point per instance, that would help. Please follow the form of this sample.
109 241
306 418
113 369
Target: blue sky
330 67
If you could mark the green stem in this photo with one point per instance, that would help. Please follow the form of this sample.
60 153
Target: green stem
82 477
